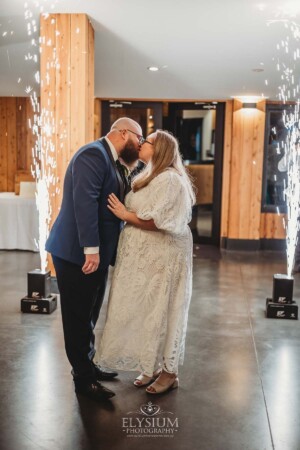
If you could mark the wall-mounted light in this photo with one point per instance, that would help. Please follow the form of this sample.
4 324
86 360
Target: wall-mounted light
249 105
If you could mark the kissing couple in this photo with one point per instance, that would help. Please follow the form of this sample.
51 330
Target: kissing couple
139 224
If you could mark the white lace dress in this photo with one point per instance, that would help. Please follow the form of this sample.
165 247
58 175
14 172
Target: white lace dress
151 287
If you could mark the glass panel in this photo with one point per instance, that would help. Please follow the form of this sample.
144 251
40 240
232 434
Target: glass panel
203 178
195 130
275 170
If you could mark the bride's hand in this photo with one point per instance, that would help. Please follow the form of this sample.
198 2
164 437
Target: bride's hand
116 207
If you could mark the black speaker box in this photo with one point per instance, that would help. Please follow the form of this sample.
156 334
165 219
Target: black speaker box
39 284
282 288
38 305
275 310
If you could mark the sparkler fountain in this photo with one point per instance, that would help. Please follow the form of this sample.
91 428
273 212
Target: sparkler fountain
282 304
39 299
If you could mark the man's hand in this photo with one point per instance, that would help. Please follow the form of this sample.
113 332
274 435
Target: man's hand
91 263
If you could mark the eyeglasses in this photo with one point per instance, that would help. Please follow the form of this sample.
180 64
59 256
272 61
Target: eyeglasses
141 139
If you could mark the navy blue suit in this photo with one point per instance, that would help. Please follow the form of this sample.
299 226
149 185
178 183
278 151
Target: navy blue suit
85 221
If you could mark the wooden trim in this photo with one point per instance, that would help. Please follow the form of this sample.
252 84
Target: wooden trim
11 143
3 145
91 83
97 118
226 167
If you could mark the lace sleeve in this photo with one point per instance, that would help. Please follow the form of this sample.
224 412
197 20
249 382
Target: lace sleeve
168 203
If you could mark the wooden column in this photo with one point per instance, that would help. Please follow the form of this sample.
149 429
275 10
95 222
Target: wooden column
67 91
243 168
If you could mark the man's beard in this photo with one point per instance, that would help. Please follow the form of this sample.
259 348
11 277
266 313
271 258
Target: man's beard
130 153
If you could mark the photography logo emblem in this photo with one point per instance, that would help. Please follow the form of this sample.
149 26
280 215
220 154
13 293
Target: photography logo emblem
150 421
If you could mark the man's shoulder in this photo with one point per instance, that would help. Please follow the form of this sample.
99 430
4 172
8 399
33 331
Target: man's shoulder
96 146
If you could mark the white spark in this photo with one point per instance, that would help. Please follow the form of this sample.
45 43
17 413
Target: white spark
288 91
43 130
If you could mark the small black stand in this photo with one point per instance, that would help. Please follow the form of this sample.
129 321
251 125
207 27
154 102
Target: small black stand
282 306
39 299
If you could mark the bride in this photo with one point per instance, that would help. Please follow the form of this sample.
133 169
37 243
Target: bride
152 282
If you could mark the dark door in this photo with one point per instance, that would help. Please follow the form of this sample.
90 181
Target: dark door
199 128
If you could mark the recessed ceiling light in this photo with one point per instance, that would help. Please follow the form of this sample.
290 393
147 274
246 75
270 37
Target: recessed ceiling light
249 98
153 68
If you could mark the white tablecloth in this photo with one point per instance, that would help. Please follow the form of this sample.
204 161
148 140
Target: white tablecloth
18 222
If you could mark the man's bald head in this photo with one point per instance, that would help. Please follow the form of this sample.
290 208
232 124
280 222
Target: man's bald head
125 135
125 123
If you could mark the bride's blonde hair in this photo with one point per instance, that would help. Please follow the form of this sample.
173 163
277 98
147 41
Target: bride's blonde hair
166 155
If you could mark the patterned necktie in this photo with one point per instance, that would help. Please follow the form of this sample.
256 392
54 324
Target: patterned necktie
122 172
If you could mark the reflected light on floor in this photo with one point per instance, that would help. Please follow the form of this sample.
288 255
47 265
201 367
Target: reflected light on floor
238 378
284 382
43 381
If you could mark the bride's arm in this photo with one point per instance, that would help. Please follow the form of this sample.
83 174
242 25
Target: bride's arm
119 210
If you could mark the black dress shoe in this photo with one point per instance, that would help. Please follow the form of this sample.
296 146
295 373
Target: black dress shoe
104 374
94 390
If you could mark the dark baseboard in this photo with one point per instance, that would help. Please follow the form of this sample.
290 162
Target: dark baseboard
253 244
273 244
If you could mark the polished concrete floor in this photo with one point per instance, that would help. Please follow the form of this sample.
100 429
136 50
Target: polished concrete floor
240 384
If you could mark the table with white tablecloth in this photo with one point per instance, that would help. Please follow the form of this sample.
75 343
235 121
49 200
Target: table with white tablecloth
18 222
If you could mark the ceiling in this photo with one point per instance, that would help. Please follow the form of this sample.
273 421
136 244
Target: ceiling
204 49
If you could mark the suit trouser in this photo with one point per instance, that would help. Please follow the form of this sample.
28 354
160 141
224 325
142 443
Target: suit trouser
81 297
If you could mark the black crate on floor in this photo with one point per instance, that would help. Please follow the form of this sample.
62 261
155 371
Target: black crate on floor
39 283
283 288
39 305
275 310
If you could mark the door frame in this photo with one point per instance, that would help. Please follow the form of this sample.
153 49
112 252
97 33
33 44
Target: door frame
214 239
105 104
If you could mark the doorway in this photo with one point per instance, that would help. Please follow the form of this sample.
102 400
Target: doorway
199 127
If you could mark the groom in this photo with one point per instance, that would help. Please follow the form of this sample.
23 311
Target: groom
83 243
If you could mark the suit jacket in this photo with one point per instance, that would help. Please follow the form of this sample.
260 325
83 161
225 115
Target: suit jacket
84 219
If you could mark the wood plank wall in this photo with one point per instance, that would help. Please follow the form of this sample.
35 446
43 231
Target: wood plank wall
242 176
67 91
16 139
